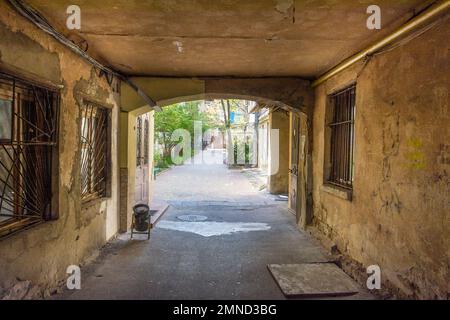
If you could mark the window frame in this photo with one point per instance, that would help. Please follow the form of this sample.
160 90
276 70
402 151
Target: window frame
5 97
29 158
339 166
146 142
139 141
105 193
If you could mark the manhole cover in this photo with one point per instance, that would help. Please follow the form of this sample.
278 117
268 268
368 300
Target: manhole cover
192 218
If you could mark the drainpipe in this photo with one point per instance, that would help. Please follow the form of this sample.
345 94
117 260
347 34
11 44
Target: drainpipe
437 9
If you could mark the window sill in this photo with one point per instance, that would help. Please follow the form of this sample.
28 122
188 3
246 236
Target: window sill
337 191
87 203
19 230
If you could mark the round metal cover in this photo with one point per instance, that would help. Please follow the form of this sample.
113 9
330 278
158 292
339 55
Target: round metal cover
192 218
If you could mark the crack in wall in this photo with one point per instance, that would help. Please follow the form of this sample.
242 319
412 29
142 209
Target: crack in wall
286 8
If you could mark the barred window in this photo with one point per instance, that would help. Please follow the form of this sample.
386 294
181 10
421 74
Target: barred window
28 139
342 137
95 140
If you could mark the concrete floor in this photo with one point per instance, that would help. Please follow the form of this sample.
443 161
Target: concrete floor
186 265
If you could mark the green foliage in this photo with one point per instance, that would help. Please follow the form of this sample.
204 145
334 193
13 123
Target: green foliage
178 116
160 161
181 116
242 151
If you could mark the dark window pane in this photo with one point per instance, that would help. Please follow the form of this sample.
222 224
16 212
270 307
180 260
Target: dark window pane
5 119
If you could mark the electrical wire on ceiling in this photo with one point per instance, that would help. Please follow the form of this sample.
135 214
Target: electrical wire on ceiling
37 19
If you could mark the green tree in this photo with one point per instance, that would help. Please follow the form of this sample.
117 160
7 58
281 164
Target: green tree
179 116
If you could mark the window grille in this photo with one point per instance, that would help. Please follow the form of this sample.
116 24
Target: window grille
94 151
342 137
28 139
146 141
138 141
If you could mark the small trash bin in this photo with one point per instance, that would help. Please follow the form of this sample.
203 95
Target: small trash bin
141 219
141 215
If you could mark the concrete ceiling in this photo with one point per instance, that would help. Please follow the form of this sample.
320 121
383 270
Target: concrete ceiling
243 38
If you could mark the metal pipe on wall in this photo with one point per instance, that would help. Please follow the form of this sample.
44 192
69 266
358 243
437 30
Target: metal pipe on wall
437 9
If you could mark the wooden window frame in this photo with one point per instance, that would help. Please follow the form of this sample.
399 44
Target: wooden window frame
4 97
28 172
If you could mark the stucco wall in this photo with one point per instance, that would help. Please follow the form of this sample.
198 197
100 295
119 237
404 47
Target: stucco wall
279 152
287 93
399 215
263 144
42 254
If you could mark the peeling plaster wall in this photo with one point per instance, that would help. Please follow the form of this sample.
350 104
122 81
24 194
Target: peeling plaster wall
399 215
43 253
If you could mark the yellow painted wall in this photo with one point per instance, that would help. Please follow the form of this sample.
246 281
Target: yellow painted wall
279 152
42 253
399 216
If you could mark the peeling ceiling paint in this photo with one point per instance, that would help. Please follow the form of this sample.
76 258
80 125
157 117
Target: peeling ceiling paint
277 38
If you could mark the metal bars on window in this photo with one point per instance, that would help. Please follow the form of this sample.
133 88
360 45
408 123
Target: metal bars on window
94 151
342 137
146 141
139 141
28 136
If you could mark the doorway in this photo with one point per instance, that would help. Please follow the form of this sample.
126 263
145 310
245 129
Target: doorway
293 169
142 159
298 171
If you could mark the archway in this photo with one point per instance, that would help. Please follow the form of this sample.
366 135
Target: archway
294 96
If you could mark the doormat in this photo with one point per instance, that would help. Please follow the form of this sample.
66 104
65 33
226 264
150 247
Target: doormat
312 280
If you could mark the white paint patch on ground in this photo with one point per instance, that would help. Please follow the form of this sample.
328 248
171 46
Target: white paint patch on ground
212 228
